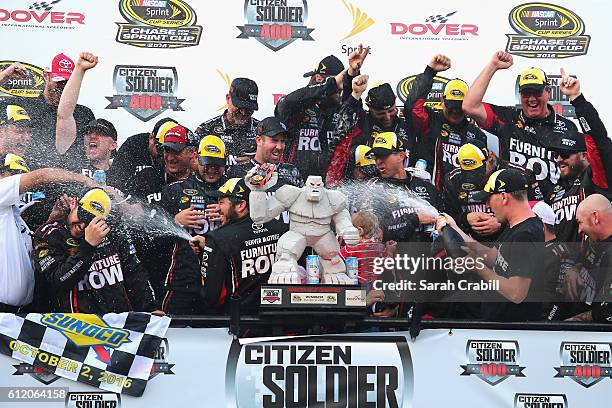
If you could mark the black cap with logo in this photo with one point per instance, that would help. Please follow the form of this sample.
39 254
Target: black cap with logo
381 97
101 126
271 126
328 66
566 141
243 92
503 181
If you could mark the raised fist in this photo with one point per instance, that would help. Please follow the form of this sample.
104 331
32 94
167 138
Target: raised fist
360 83
502 60
87 61
440 63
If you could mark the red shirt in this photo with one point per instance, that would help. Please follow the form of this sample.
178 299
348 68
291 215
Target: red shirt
365 252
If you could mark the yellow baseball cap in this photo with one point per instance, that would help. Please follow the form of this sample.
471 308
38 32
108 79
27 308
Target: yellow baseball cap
12 114
363 157
94 203
13 164
211 151
472 156
386 143
533 79
454 93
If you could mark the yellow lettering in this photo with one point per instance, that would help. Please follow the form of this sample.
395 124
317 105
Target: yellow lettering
53 360
72 366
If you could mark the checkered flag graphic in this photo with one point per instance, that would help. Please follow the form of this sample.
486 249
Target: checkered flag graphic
118 356
439 18
44 5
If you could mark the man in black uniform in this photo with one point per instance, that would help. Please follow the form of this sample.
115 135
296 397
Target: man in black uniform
585 162
440 133
193 208
477 163
515 261
311 114
523 133
43 109
139 152
238 257
90 269
100 144
236 125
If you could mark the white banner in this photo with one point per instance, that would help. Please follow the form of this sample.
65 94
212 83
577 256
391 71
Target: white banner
176 57
442 368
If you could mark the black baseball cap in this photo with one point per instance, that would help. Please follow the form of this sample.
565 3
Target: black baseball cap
328 66
380 97
271 126
234 187
12 113
566 140
101 126
243 92
503 181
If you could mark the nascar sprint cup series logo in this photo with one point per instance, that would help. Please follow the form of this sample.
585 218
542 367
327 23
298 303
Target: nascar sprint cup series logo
585 363
540 401
158 24
30 87
339 371
276 23
546 31
493 360
404 87
145 91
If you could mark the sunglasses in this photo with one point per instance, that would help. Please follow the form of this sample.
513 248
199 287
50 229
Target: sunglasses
530 92
564 154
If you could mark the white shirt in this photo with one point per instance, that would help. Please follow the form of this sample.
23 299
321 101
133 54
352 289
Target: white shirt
16 272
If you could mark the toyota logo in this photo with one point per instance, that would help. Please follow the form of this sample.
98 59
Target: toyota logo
67 64
257 227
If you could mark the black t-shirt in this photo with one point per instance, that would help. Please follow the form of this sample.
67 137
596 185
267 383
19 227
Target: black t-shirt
518 254
132 157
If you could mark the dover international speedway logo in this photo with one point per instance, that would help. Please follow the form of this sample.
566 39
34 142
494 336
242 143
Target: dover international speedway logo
275 23
546 31
41 14
493 361
30 87
158 24
434 28
145 91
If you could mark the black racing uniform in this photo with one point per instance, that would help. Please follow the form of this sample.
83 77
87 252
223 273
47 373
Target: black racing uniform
524 141
311 119
148 183
131 157
439 141
598 261
556 263
568 193
108 278
237 260
182 283
239 140
41 152
459 201
390 203
519 254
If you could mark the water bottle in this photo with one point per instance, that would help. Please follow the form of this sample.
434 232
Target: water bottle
352 269
99 177
421 164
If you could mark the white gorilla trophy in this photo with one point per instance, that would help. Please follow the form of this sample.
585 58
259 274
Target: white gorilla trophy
312 209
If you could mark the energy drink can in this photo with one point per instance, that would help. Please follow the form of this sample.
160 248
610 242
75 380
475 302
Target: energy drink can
352 269
312 269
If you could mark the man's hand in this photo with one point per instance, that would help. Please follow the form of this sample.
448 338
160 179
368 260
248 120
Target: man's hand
96 231
425 219
13 71
197 244
439 63
483 223
87 61
360 83
61 207
572 283
340 79
502 60
213 213
190 218
356 59
569 86
374 296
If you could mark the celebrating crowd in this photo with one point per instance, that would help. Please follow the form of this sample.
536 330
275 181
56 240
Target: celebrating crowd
162 223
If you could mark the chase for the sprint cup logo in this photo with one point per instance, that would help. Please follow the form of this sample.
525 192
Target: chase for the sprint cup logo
493 361
145 91
339 371
546 31
158 24
585 363
276 23
540 401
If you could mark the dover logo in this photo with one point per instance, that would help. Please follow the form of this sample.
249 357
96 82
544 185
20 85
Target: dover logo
41 14
30 87
276 23
585 363
540 401
324 371
546 31
145 91
492 360
559 102
436 27
158 24
404 87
